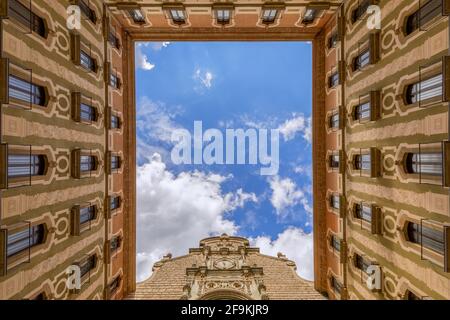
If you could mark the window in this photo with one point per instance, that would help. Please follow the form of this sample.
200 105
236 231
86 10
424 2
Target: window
25 239
178 15
310 16
115 244
87 214
335 243
115 122
427 237
137 16
115 162
362 111
336 285
362 162
114 285
430 163
361 263
360 10
334 161
335 201
114 81
333 80
269 15
113 40
115 203
88 163
87 11
332 40
424 90
25 165
411 296
27 18
362 60
363 212
26 91
87 62
334 121
425 14
88 265
88 113
223 16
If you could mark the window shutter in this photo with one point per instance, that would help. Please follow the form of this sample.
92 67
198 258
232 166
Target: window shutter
76 162
374 47
375 105
341 111
4 80
75 48
107 253
106 28
446 78
342 159
341 26
108 165
446 164
375 163
341 67
445 7
3 249
4 7
3 166
108 115
447 248
76 106
107 71
108 207
376 220
343 251
75 221
342 206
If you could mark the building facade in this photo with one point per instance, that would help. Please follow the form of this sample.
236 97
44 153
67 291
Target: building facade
225 268
381 73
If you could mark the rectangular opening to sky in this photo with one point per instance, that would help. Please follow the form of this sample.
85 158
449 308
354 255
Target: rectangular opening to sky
210 117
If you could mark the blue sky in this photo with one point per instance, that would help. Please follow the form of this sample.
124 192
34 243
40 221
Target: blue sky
225 85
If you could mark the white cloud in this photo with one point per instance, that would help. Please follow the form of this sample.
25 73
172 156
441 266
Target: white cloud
299 123
204 77
155 120
285 195
295 244
175 212
142 60
157 46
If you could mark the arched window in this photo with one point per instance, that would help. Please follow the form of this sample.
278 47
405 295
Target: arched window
424 90
88 163
25 165
362 162
87 214
362 111
88 265
421 17
361 263
362 60
363 212
24 239
334 161
26 17
335 243
336 285
427 237
26 91
335 201
334 121
360 10
424 163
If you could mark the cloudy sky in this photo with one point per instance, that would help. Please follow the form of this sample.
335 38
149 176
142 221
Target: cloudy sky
234 85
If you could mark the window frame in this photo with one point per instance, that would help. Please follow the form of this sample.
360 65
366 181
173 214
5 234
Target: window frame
413 22
87 11
26 17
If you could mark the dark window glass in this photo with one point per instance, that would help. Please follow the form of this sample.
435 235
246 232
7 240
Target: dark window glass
362 60
362 111
310 15
334 161
334 121
333 80
88 113
115 122
426 163
87 61
362 162
223 15
336 243
113 40
115 203
360 10
22 240
25 165
425 14
137 15
428 237
411 296
26 17
88 265
25 91
114 81
87 11
363 212
87 214
115 162
332 40
88 163
424 90
115 243
178 15
361 263
114 285
269 15
335 201
336 285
